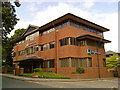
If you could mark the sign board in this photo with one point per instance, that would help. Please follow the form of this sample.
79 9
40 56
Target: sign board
3 60
89 51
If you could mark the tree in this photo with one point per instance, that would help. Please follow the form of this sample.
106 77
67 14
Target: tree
112 61
9 19
18 33
7 50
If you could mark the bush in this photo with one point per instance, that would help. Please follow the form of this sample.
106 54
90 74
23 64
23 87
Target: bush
48 71
74 72
38 70
115 73
80 70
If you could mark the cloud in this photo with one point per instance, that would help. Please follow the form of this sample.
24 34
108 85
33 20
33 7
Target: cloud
89 4
33 6
108 20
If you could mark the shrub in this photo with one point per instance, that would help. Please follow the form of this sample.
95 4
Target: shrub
80 70
38 70
74 72
115 73
48 71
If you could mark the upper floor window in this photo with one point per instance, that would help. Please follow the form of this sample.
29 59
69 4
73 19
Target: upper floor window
21 52
23 41
48 31
75 24
32 36
68 41
52 45
46 46
13 54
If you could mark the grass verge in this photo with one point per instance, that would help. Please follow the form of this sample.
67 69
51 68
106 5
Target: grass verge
46 75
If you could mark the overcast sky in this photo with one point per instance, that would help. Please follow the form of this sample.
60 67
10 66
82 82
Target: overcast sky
101 12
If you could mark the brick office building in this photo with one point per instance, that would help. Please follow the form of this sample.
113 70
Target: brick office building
62 45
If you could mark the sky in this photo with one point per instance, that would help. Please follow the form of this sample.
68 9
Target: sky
40 12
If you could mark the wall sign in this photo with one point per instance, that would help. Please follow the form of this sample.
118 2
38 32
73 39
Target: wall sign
89 51
28 44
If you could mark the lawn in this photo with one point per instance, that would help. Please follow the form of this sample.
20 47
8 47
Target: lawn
46 75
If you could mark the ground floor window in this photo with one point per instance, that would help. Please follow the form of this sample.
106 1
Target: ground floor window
75 62
48 64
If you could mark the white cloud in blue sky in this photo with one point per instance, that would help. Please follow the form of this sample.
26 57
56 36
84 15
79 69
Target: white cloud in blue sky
102 13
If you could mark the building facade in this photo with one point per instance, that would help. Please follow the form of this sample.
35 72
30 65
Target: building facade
61 46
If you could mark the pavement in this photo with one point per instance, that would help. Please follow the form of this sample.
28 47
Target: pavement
51 80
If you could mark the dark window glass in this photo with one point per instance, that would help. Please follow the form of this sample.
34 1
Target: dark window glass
51 63
48 64
52 45
75 62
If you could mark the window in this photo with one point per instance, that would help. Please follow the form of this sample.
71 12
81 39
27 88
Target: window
20 53
29 50
85 27
68 41
72 41
52 45
48 64
32 36
95 43
51 63
75 62
20 42
46 46
64 62
13 54
40 47
82 43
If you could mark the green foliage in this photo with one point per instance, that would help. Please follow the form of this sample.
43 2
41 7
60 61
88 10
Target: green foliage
18 33
9 19
75 73
112 61
80 70
115 73
38 70
7 46
46 75
48 71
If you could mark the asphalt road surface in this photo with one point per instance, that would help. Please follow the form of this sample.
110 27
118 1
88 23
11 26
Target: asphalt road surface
103 84
12 83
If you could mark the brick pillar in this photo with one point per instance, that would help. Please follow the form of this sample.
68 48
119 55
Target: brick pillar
4 69
16 71
21 71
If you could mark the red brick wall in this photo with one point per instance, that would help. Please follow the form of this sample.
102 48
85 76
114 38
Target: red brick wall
68 51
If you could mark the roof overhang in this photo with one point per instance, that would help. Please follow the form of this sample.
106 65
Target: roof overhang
87 36
30 58
75 18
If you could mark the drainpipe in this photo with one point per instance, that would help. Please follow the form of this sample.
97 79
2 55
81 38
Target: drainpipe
56 49
98 64
98 59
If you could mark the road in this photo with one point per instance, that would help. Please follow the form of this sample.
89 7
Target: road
13 83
